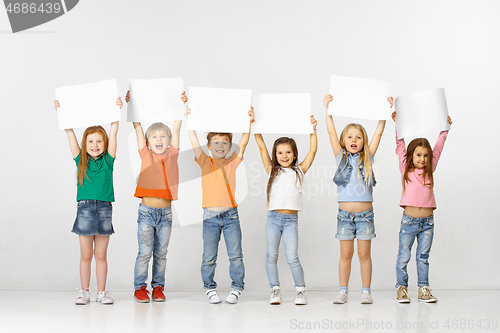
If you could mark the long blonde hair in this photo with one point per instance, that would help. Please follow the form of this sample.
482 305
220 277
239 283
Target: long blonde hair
364 154
81 172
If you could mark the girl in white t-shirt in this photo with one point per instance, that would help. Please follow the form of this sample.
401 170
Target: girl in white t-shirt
284 197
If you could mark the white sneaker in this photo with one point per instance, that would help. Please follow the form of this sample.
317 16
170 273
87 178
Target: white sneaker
275 296
233 296
341 297
213 297
300 297
366 297
104 297
83 297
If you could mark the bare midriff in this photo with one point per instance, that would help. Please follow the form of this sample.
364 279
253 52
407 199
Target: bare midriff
155 202
218 208
418 211
355 206
286 211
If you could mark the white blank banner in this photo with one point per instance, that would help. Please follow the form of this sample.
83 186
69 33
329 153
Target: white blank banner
359 98
155 100
282 113
88 104
219 110
420 113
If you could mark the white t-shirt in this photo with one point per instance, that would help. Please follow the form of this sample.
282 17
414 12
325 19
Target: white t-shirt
286 191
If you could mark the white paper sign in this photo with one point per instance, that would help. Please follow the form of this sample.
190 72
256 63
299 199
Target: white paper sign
219 110
155 100
89 104
282 113
359 98
421 113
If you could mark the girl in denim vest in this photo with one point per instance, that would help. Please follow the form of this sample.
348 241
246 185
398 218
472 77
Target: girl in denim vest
355 180
417 165
95 194
284 198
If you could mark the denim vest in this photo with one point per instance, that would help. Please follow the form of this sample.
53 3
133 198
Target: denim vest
344 170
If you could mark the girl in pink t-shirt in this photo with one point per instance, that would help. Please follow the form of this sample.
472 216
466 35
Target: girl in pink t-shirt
417 164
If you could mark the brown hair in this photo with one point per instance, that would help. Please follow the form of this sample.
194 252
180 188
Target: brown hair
276 167
210 135
364 154
84 157
419 142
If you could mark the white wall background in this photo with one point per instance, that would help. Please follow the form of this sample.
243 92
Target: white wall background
270 47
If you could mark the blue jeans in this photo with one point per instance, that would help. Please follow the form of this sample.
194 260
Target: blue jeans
153 234
283 225
229 223
423 229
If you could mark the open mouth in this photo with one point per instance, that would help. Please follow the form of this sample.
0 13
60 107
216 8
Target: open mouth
159 146
95 150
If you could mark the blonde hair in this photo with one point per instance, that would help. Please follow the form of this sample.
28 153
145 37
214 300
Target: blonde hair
81 172
364 154
158 127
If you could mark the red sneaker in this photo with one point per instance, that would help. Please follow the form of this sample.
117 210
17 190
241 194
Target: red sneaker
141 295
158 295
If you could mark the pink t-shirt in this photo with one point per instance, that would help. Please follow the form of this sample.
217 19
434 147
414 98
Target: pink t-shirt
416 194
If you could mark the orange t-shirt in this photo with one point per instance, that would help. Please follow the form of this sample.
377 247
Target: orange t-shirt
213 185
159 175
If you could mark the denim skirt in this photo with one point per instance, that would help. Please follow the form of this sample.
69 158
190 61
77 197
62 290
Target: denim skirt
93 217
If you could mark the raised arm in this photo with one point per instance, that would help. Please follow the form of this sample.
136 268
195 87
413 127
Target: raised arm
438 147
377 136
245 137
193 138
264 154
113 132
176 131
313 147
330 127
73 142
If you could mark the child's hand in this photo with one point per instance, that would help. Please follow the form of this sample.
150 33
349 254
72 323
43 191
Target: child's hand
314 122
449 120
251 114
187 112
390 100
127 96
393 116
119 102
56 104
327 100
184 97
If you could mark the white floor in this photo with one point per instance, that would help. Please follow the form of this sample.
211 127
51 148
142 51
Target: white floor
54 311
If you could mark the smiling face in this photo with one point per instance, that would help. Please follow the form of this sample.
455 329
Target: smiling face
219 145
354 140
158 141
95 144
285 155
420 157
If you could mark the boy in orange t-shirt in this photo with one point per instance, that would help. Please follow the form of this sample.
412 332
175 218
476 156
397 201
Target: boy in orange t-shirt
220 213
157 186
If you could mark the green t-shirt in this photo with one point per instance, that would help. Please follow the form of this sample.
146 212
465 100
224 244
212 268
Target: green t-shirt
98 183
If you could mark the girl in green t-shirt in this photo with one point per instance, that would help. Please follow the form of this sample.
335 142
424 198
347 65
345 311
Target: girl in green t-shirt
94 195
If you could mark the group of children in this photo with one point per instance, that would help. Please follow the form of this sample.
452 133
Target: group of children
158 183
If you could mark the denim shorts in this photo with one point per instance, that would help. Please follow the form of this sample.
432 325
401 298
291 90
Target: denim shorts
355 225
93 217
